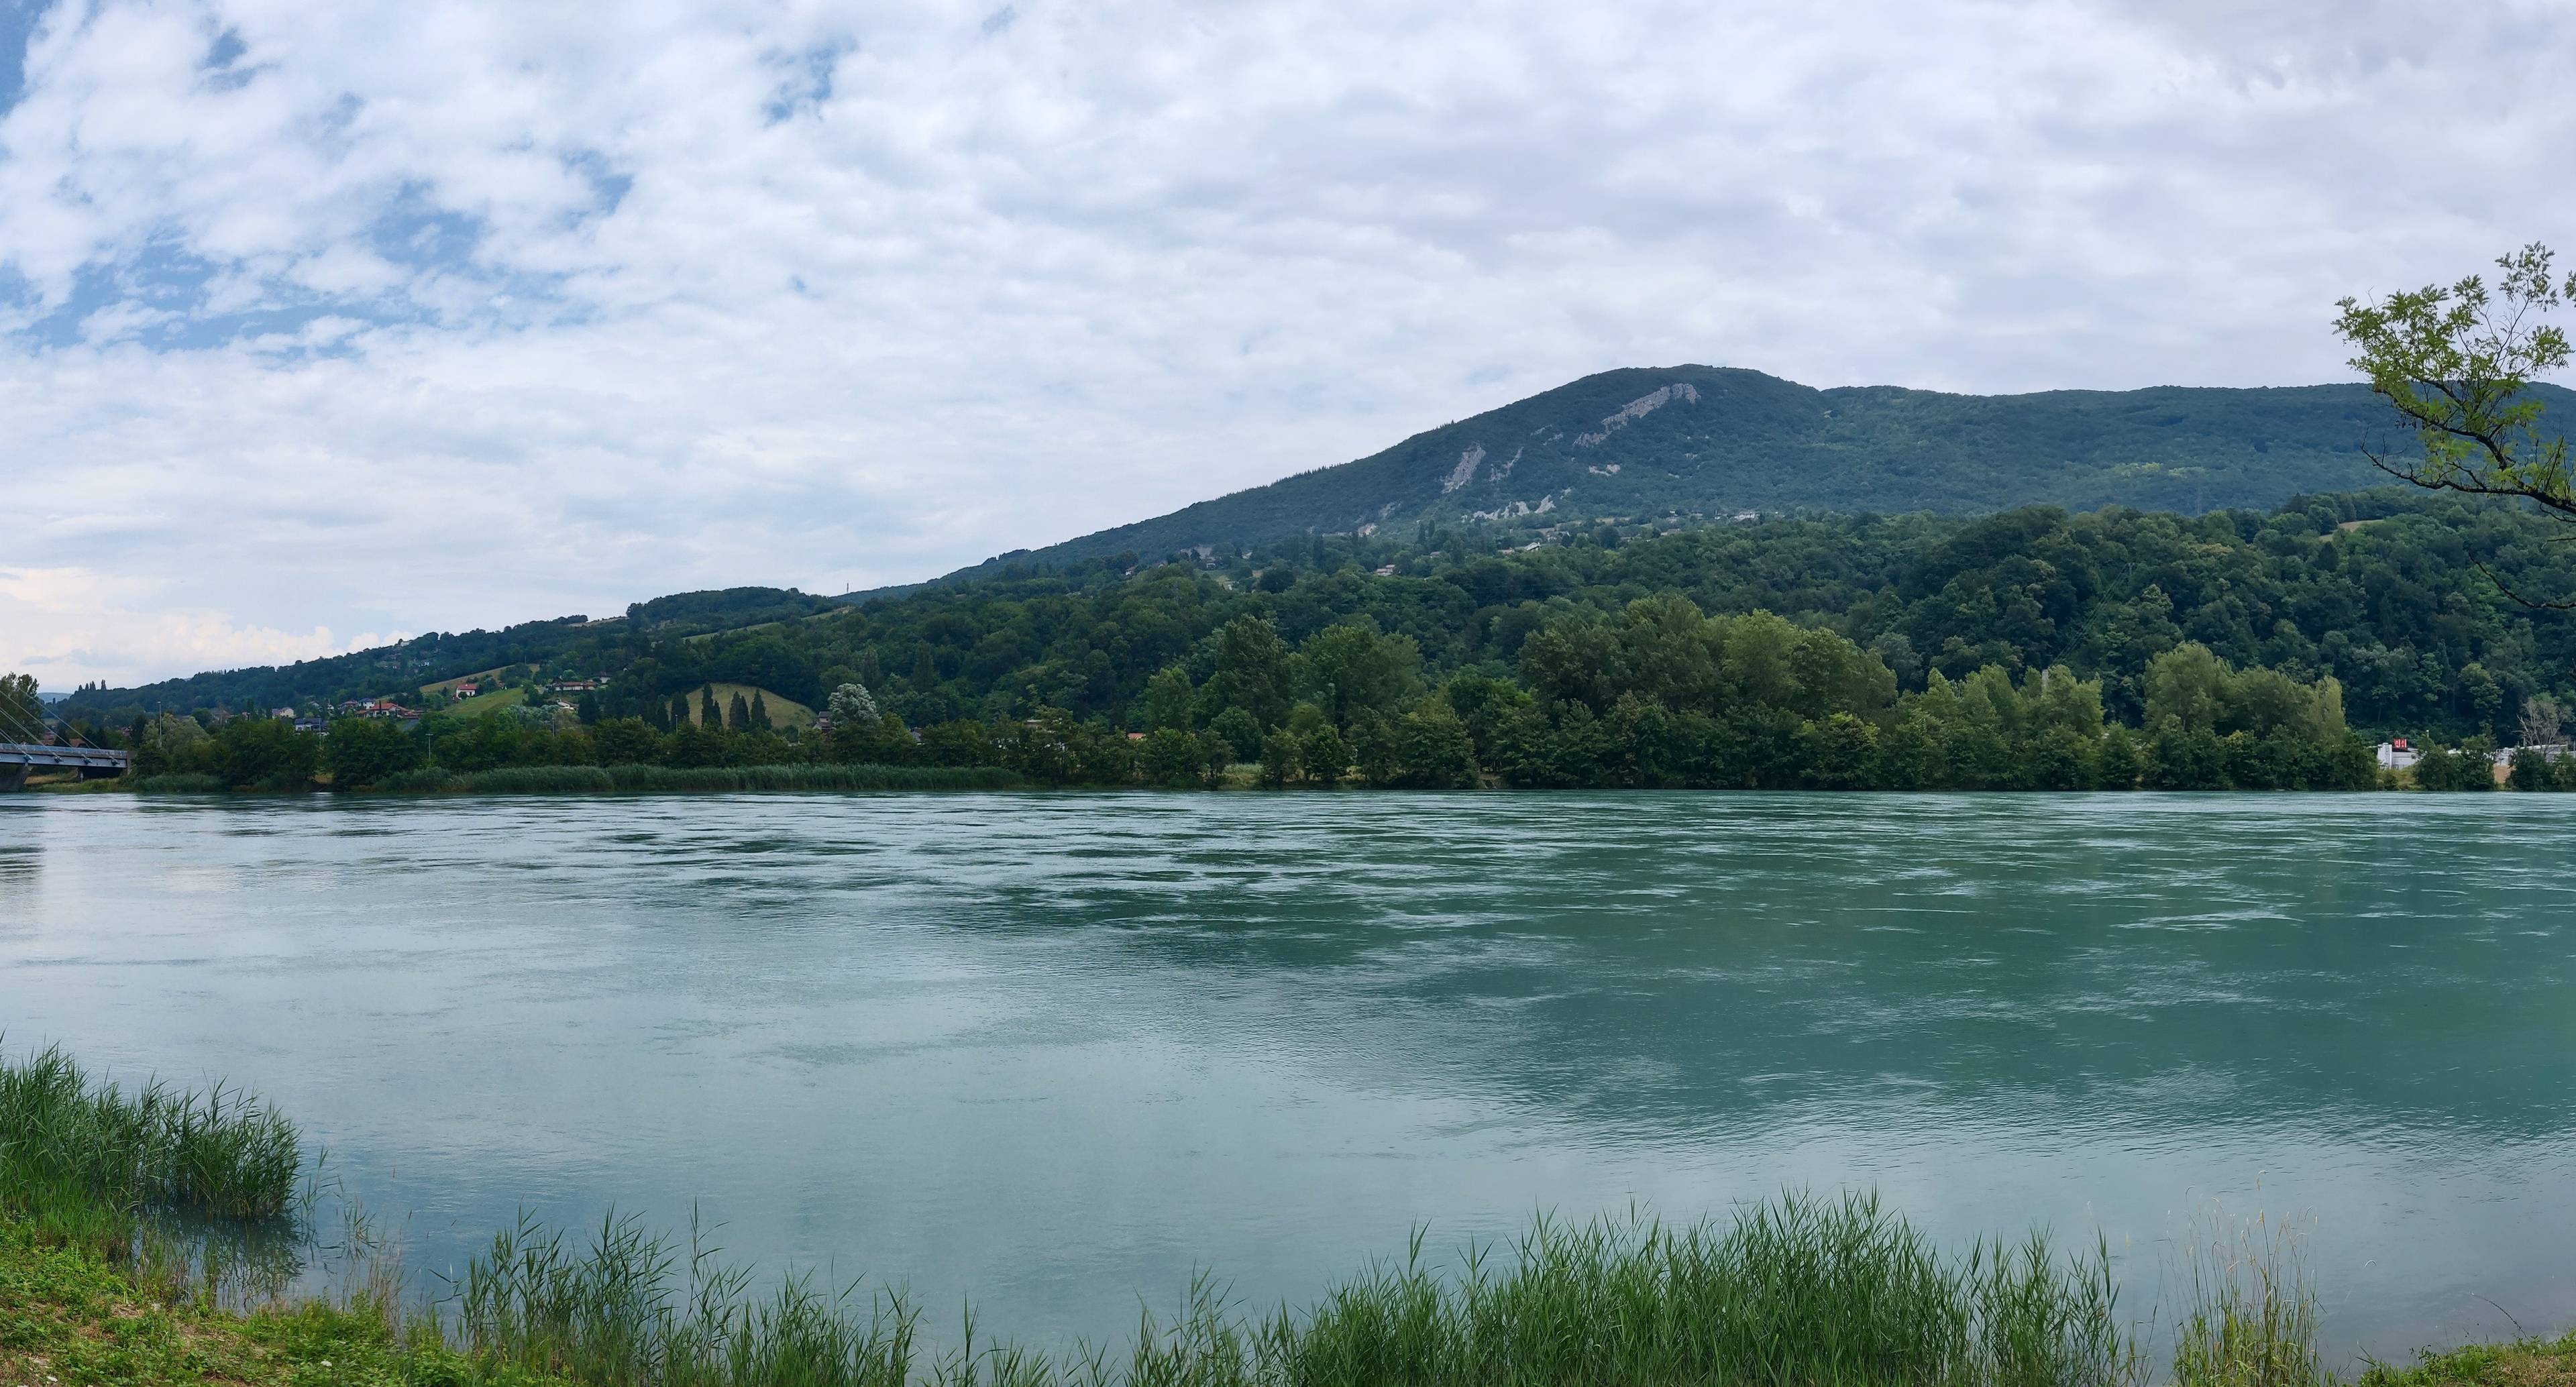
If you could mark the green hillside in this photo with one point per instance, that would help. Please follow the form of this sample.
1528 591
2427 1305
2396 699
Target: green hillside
1710 442
783 711
1678 448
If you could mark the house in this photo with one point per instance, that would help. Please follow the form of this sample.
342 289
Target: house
287 713
574 685
2395 755
1387 572
467 691
312 725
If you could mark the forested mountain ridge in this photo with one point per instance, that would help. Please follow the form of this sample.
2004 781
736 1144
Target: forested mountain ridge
1704 441
2388 592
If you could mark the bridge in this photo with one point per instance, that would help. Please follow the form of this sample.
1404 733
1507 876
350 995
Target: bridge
20 759
25 748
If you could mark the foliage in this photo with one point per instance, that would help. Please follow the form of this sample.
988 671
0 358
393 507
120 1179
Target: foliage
364 751
2468 766
851 706
2458 365
2381 603
264 754
170 745
22 714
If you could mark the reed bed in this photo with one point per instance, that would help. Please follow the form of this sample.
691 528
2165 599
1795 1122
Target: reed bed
1794 1291
187 784
530 780
82 1160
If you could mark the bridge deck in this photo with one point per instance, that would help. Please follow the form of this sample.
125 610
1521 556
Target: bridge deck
83 757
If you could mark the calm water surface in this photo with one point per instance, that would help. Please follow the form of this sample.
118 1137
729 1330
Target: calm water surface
1058 1051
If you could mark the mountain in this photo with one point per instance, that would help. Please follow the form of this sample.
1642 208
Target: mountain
1715 441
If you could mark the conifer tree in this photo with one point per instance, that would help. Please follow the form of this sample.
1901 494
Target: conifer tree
759 712
709 715
738 717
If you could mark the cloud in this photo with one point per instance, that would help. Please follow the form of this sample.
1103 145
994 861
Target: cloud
74 621
412 316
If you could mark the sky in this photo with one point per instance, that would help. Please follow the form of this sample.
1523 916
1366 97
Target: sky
326 324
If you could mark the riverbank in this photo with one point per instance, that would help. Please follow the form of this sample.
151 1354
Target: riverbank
636 779
72 1318
68 1318
108 1196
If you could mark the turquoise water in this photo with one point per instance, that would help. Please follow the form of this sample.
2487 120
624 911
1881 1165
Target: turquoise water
1056 1052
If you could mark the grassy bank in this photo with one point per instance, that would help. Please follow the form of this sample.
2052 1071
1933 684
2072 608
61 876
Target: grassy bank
108 1196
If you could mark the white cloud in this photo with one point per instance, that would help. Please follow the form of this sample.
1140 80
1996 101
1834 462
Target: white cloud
74 621
434 315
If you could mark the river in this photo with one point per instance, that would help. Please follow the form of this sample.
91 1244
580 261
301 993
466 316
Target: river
1056 1052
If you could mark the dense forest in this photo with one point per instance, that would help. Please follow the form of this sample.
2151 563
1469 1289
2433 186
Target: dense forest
2031 648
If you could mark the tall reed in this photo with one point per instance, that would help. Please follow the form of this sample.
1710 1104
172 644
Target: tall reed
626 1309
1798 1290
2249 1318
81 1160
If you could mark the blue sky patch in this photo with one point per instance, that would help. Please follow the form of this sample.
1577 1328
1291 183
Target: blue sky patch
17 25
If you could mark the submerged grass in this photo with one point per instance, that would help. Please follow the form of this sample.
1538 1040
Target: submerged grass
524 780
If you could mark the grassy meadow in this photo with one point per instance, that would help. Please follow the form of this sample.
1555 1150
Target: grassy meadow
784 712
115 1201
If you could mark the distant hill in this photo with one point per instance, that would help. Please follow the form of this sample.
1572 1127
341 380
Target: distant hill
1713 441
440 659
1689 441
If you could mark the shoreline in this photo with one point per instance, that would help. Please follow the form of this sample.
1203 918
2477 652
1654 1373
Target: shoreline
152 1236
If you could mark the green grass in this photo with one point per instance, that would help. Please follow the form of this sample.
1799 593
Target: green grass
449 686
2527 1362
784 712
71 1318
483 705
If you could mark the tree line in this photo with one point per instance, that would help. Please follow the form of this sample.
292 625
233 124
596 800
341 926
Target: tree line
1438 660
1655 695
